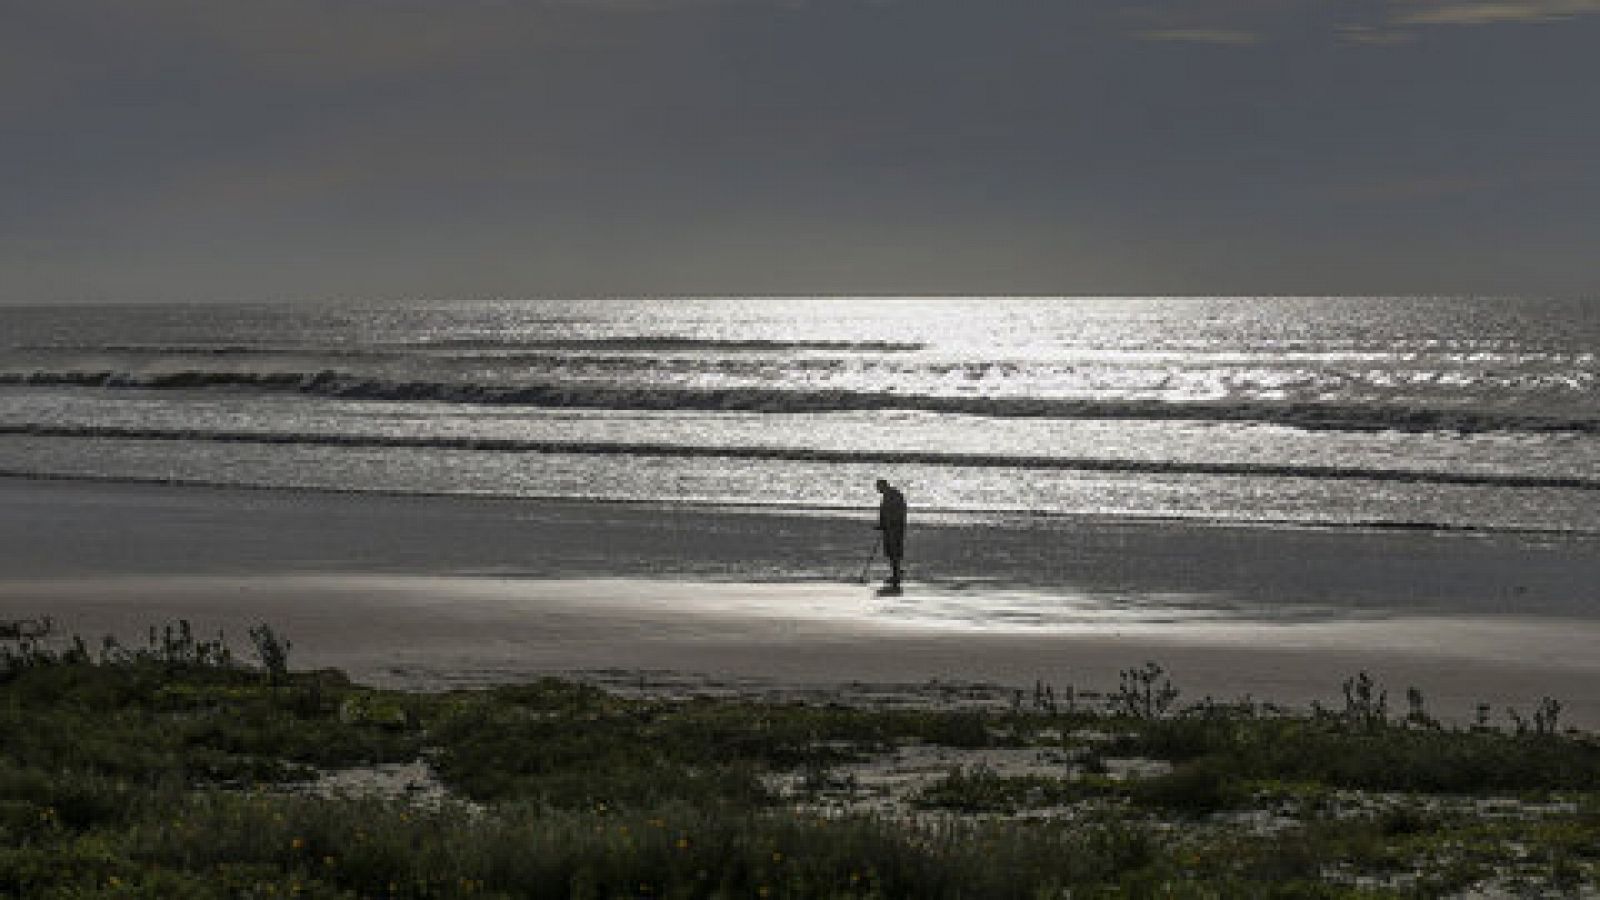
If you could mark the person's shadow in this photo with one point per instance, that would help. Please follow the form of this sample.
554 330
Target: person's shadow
890 590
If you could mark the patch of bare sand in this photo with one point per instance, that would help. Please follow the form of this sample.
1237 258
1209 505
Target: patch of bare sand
819 639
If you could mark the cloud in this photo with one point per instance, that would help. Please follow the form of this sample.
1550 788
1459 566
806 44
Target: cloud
1488 12
1233 37
1401 21
1219 23
1364 22
1373 35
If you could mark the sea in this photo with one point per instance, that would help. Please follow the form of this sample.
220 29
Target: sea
1375 412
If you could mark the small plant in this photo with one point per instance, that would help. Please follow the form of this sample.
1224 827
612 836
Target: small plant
980 789
1197 788
817 778
30 637
1417 710
1044 698
175 646
26 629
1364 703
273 651
1401 821
1144 693
958 729
171 647
1093 762
1547 718
1480 719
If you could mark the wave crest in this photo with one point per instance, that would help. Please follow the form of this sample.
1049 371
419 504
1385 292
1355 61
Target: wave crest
660 343
1313 416
807 454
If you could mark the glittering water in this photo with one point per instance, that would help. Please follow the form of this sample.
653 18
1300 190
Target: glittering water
1435 412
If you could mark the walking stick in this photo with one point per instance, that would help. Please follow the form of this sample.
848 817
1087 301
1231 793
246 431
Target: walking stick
870 560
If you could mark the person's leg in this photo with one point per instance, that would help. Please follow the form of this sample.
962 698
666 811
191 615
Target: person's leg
894 544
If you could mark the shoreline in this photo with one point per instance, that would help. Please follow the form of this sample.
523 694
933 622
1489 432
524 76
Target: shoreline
433 592
926 516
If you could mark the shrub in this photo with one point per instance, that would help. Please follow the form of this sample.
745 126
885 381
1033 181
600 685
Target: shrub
1195 788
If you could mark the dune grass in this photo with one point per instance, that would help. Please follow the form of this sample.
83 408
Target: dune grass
175 769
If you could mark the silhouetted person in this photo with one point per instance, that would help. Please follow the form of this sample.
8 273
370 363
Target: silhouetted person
892 522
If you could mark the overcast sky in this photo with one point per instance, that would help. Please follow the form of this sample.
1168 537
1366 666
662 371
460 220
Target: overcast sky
381 149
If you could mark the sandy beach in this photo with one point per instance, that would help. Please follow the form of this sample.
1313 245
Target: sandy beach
434 592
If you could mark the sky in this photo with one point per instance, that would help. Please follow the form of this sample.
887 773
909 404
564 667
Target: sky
199 150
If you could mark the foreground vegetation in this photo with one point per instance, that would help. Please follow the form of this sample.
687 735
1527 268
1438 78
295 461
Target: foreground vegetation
175 770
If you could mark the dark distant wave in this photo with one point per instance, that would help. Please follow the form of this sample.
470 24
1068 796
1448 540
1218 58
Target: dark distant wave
659 343
176 352
152 349
807 454
305 353
1314 416
473 346
507 350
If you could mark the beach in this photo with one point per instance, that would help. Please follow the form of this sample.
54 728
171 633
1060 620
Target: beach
673 448
434 592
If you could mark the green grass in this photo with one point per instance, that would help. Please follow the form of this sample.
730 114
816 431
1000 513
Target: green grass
160 771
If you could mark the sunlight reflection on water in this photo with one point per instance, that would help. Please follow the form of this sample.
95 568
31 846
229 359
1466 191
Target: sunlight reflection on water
1283 390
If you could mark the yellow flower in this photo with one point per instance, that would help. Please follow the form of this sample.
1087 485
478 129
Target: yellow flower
683 843
297 844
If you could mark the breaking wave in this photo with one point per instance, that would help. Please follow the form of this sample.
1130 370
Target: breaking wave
1311 416
657 343
805 454
953 513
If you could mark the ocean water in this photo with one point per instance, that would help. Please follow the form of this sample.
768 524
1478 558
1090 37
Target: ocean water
1366 412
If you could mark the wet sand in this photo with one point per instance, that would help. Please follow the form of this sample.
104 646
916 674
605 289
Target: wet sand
434 592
